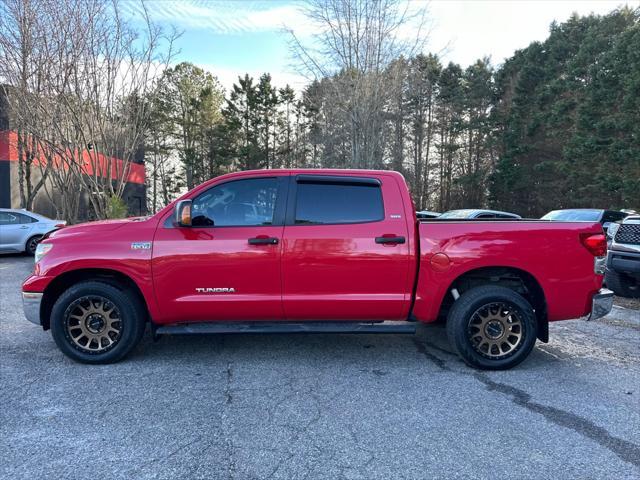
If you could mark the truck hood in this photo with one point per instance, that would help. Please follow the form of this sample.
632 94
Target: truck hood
94 228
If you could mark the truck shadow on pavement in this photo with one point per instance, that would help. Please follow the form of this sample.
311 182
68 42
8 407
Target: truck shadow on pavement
298 349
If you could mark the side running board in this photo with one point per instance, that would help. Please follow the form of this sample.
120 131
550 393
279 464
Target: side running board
283 327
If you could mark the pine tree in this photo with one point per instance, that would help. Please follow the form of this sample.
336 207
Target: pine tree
288 101
568 114
240 116
192 98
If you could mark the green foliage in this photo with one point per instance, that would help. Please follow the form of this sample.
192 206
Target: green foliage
116 207
556 126
188 102
256 123
570 116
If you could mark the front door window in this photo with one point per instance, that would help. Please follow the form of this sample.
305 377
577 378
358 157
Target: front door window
240 203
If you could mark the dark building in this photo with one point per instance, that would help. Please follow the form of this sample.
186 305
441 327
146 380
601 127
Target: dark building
134 192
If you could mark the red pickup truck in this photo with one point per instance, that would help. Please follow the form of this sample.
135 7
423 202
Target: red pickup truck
331 251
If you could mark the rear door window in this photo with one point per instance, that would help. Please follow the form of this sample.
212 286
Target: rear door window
338 203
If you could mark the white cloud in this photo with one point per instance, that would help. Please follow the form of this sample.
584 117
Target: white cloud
469 29
224 17
228 76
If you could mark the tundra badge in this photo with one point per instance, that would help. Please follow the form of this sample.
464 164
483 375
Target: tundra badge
216 290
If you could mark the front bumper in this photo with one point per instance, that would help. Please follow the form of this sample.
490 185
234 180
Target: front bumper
601 304
624 261
31 305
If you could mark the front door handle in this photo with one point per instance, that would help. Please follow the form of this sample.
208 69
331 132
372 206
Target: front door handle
263 240
390 240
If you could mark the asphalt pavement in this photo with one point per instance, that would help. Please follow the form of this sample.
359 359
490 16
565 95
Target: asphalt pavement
317 406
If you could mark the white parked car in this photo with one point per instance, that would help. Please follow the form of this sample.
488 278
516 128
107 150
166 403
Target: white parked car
21 230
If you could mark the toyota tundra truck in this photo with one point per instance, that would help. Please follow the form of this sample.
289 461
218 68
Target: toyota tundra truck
623 260
313 251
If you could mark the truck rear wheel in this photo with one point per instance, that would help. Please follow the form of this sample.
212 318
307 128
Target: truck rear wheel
492 327
95 322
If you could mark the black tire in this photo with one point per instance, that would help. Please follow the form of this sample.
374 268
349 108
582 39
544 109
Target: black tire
32 243
131 325
622 285
463 331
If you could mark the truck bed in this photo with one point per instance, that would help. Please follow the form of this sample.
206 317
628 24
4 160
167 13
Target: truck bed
550 253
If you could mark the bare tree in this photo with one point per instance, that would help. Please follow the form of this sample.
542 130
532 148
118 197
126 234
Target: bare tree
359 39
78 76
24 68
422 89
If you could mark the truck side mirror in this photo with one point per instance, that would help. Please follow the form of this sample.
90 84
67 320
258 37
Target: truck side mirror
183 213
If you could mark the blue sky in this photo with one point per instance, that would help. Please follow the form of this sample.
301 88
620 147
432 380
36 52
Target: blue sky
229 38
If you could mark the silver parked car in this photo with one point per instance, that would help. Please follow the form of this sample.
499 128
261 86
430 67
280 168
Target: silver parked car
477 213
21 230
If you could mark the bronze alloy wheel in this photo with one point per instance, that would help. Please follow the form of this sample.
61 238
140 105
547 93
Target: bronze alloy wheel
93 324
496 330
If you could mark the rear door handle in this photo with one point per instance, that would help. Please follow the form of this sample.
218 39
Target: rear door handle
263 240
390 240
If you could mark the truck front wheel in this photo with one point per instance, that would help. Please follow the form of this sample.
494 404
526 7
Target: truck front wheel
95 322
492 327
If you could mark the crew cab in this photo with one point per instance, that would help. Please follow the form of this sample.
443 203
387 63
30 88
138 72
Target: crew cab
331 251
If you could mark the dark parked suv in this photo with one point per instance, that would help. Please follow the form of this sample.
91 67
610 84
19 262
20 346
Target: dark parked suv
623 259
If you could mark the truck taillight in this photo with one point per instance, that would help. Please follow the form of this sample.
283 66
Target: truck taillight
596 243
